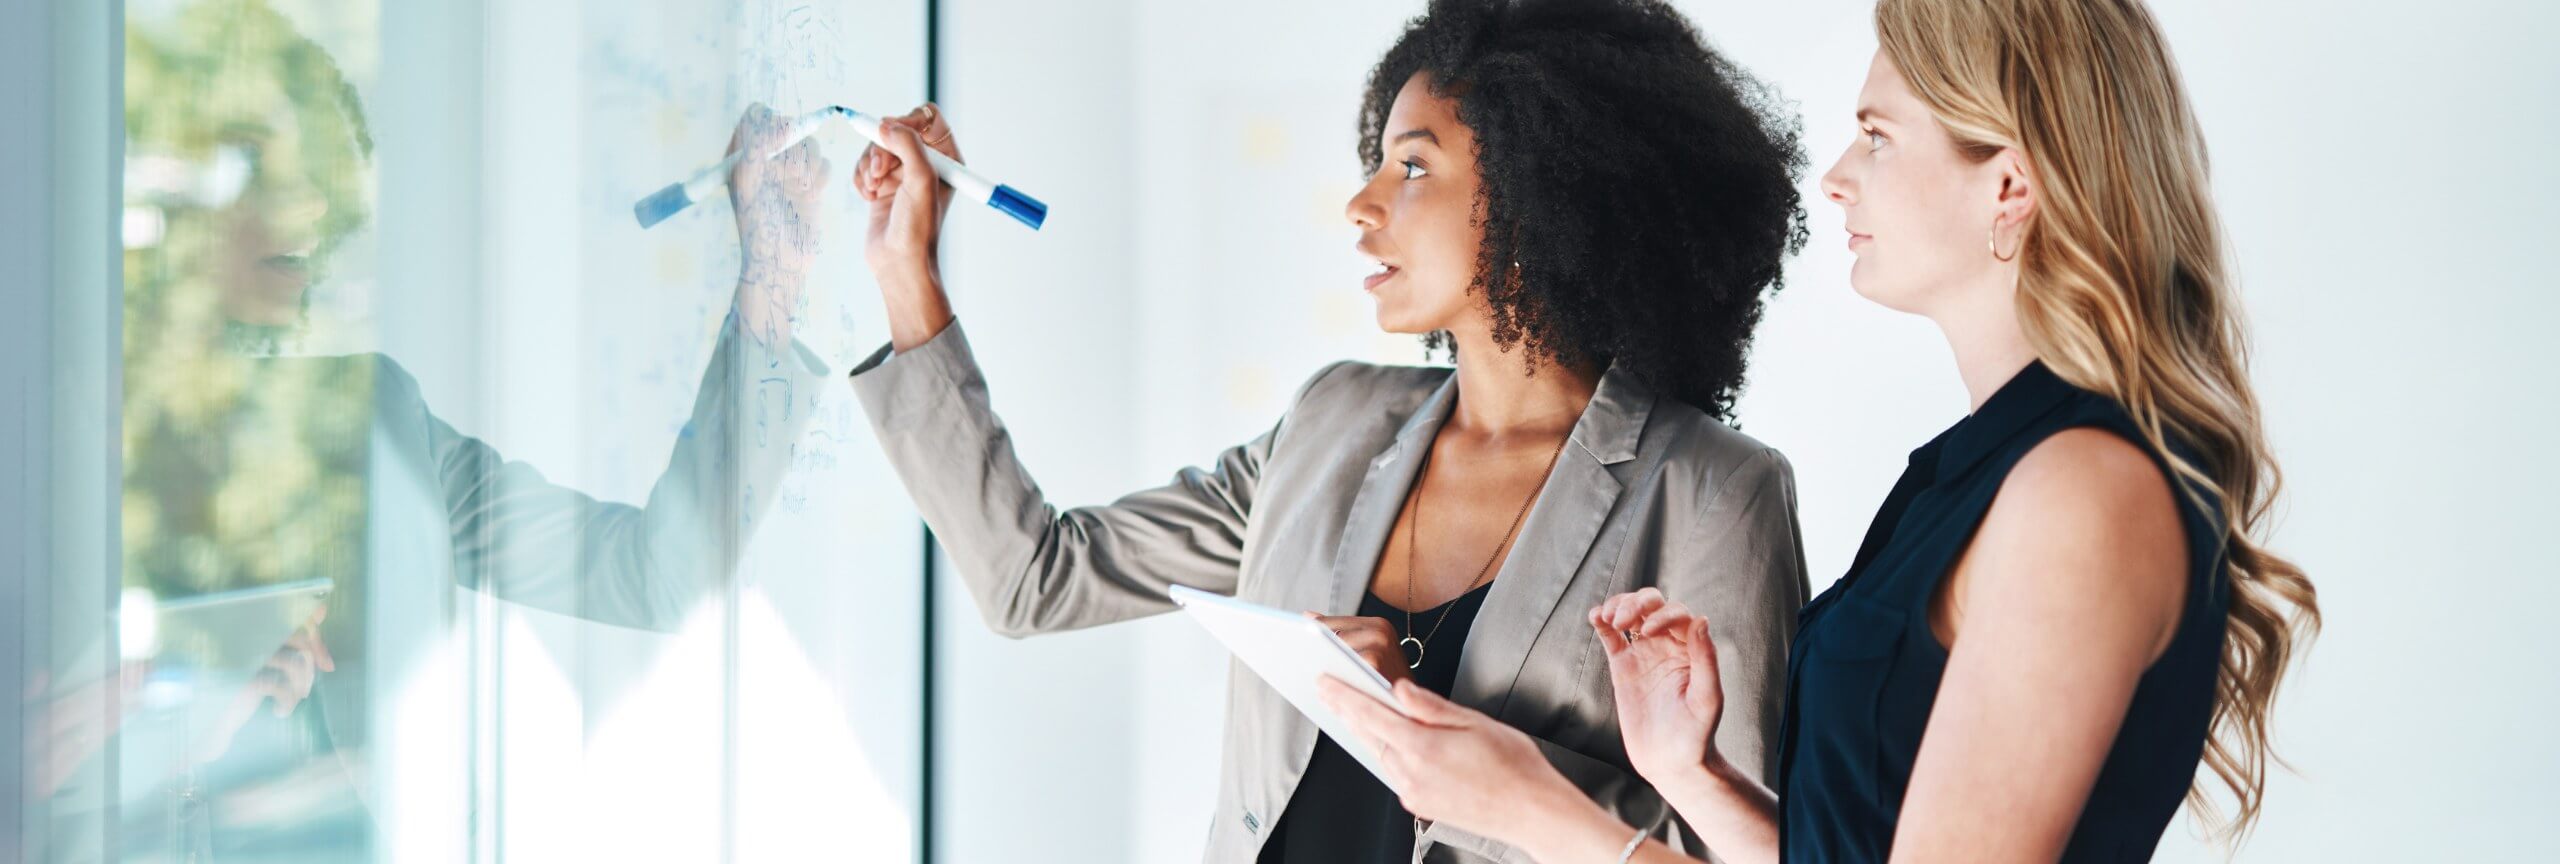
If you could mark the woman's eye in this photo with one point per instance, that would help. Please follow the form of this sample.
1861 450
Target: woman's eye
1875 140
1413 169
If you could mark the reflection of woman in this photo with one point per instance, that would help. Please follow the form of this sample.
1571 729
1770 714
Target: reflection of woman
248 467
1586 205
2061 603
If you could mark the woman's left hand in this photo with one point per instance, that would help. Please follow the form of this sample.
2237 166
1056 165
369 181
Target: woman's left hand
1662 668
1451 764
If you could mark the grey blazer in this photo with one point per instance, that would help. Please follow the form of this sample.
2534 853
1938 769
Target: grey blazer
1653 492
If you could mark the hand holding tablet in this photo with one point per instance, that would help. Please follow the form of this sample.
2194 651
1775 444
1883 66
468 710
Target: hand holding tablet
1292 653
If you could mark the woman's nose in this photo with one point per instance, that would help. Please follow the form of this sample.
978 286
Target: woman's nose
1835 182
1362 211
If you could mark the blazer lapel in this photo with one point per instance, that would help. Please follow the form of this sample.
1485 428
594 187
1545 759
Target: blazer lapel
1380 500
1558 535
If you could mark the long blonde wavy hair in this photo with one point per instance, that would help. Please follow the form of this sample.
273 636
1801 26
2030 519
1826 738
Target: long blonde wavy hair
2123 290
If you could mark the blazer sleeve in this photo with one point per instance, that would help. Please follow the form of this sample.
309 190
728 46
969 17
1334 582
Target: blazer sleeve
528 540
1743 568
1032 567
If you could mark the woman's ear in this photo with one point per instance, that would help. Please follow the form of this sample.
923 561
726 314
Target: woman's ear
2019 194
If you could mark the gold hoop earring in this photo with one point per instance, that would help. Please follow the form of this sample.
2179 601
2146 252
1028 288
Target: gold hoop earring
1994 243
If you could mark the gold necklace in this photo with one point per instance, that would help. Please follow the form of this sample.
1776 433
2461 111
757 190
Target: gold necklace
1413 538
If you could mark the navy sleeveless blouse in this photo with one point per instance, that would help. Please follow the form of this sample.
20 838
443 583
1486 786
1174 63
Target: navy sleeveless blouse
1865 666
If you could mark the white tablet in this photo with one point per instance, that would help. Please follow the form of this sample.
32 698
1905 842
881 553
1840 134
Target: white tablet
234 631
1292 652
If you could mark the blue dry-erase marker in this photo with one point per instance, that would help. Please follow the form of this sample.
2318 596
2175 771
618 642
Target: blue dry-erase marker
1023 208
677 196
1026 209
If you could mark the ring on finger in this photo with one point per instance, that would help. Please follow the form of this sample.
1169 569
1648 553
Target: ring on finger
931 116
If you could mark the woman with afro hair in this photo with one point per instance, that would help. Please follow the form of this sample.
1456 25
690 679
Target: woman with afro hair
1583 204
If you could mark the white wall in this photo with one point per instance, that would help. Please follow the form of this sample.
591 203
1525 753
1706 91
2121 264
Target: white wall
2381 173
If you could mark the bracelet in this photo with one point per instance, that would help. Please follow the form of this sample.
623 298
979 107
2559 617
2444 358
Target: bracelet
1629 853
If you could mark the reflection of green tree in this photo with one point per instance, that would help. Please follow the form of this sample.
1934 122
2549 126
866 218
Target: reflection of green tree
239 470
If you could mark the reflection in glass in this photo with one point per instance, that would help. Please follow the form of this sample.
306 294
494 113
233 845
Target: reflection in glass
245 466
280 476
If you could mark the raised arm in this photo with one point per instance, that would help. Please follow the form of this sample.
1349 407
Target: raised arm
1032 567
527 540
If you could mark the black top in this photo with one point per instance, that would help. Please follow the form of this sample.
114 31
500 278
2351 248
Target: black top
1341 813
1865 666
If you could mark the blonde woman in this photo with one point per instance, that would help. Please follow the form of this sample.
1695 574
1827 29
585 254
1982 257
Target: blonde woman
2060 609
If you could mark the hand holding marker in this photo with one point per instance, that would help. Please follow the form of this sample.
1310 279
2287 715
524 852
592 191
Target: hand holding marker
668 201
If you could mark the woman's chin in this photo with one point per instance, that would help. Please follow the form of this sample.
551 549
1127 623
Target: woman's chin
1876 287
265 310
1394 317
1892 297
1401 325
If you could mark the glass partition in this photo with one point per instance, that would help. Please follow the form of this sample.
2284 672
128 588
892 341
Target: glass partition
461 517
